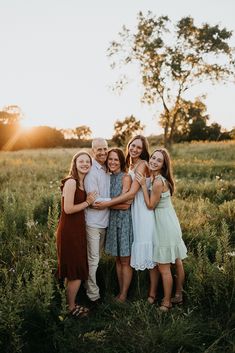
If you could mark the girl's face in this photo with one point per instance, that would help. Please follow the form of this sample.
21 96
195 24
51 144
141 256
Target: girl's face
114 164
135 148
83 164
156 162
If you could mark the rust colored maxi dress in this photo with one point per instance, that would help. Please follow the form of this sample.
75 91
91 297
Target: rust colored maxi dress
71 241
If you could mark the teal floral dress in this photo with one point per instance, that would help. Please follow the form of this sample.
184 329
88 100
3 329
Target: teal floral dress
119 236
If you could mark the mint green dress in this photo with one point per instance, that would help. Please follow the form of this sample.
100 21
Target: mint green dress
168 237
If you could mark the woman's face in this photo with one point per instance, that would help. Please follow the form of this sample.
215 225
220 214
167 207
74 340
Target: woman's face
136 148
114 164
83 164
156 162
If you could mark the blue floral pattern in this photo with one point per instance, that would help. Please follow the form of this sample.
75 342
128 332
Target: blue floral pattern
120 232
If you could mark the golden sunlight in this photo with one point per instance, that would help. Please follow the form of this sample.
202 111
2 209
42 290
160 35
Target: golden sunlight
26 123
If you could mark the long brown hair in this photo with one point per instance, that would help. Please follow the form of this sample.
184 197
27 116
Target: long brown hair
166 170
121 158
73 173
145 152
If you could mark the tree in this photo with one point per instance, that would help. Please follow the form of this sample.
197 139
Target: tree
232 134
172 60
214 132
11 114
10 134
190 119
45 137
124 130
83 132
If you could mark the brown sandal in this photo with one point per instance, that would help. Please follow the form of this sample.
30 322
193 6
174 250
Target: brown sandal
165 308
119 300
78 312
177 300
151 299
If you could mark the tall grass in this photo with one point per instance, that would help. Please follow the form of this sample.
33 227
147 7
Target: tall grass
32 303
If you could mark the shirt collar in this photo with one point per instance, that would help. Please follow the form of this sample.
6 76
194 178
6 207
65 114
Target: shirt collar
98 165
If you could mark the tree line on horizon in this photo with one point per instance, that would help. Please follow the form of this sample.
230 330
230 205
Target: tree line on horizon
13 137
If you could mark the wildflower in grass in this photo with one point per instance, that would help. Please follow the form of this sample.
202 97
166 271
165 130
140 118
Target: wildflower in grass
232 253
31 223
220 267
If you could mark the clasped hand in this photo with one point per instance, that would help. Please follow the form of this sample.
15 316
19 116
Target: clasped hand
91 196
100 205
140 178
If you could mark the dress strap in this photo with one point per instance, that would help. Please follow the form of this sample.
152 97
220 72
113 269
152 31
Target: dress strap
140 162
160 177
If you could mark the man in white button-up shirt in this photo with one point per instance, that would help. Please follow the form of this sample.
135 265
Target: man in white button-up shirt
98 179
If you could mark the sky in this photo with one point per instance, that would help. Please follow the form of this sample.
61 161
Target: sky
54 64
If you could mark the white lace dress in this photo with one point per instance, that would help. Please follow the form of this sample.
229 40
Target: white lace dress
143 221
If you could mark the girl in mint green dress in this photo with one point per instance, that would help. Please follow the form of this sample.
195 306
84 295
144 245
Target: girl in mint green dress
169 246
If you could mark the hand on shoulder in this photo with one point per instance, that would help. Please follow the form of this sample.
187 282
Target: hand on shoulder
142 167
140 178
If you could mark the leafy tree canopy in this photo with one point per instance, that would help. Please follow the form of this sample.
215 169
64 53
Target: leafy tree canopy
83 132
10 114
171 59
124 130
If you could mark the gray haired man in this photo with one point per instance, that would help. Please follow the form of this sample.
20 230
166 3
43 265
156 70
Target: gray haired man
98 179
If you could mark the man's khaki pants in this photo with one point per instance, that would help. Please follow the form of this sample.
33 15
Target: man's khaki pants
95 245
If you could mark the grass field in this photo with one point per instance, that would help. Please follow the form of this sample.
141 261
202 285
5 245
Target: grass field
32 304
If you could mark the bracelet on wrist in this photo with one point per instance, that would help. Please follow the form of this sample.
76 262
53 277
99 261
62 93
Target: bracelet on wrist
88 204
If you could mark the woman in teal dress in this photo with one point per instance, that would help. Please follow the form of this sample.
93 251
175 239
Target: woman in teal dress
169 246
119 236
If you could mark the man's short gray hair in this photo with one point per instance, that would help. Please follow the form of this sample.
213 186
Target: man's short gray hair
96 141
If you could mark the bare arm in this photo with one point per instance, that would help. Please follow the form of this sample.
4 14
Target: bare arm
69 192
126 185
128 195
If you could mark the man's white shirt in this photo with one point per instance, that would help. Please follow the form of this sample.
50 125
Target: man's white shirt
98 179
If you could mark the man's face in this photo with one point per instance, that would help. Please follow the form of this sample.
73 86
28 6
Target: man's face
100 151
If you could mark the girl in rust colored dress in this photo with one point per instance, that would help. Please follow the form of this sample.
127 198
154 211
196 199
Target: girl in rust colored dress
71 231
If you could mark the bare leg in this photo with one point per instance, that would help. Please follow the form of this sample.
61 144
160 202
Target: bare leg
179 280
71 291
154 275
127 272
165 270
119 272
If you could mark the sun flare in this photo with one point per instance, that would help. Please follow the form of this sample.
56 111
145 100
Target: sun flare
27 124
